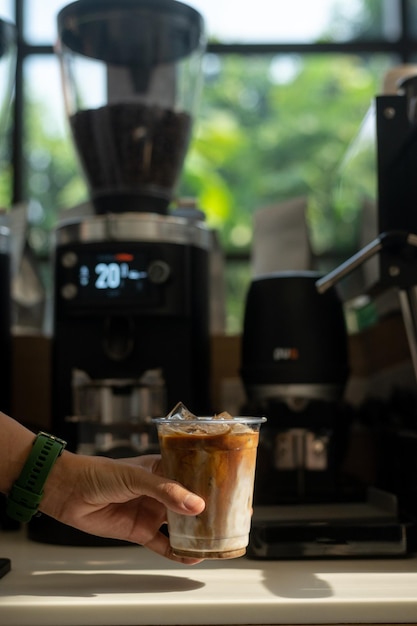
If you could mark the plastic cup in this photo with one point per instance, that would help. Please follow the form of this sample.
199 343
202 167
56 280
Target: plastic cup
216 459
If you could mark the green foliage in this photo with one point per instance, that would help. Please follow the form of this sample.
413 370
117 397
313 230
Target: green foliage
5 185
53 176
260 141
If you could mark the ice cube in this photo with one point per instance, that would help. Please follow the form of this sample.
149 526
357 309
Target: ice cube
239 429
181 412
195 429
223 416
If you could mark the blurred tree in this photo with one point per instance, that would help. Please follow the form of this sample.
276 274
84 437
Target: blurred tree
262 139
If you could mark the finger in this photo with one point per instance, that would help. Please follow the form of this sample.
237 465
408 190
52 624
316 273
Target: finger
176 497
170 493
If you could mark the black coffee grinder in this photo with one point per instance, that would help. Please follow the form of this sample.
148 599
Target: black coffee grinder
294 369
131 295
131 276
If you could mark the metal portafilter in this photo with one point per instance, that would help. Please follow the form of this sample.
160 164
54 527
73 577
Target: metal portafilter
396 252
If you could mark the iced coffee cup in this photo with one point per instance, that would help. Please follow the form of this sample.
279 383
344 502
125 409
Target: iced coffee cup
214 457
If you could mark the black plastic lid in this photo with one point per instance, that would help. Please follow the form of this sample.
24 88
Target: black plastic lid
131 32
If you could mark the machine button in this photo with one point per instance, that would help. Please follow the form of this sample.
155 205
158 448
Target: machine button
69 259
159 272
69 291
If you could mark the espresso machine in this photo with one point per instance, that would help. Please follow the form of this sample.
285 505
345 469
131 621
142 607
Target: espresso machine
348 521
390 260
131 273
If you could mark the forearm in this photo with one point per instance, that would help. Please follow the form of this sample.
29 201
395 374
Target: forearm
123 499
15 445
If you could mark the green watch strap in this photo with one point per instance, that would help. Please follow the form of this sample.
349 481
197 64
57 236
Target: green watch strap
26 493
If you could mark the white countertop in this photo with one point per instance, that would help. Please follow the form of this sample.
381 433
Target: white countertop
121 586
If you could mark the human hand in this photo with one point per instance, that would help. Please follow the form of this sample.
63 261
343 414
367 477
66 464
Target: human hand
123 499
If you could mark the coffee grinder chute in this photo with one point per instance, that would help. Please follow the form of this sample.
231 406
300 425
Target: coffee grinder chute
131 278
113 415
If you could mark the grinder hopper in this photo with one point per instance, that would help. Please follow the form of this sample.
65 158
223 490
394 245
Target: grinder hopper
131 73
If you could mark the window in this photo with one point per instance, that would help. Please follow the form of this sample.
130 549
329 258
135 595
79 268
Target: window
282 101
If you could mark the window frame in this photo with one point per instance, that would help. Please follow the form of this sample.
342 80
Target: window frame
404 47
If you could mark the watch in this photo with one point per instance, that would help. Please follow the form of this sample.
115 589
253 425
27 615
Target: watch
26 493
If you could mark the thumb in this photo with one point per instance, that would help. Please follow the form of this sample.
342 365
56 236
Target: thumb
170 493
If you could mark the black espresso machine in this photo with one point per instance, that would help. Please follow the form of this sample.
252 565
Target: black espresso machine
325 516
131 288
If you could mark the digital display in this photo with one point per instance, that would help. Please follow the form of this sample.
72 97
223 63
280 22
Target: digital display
121 276
112 275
